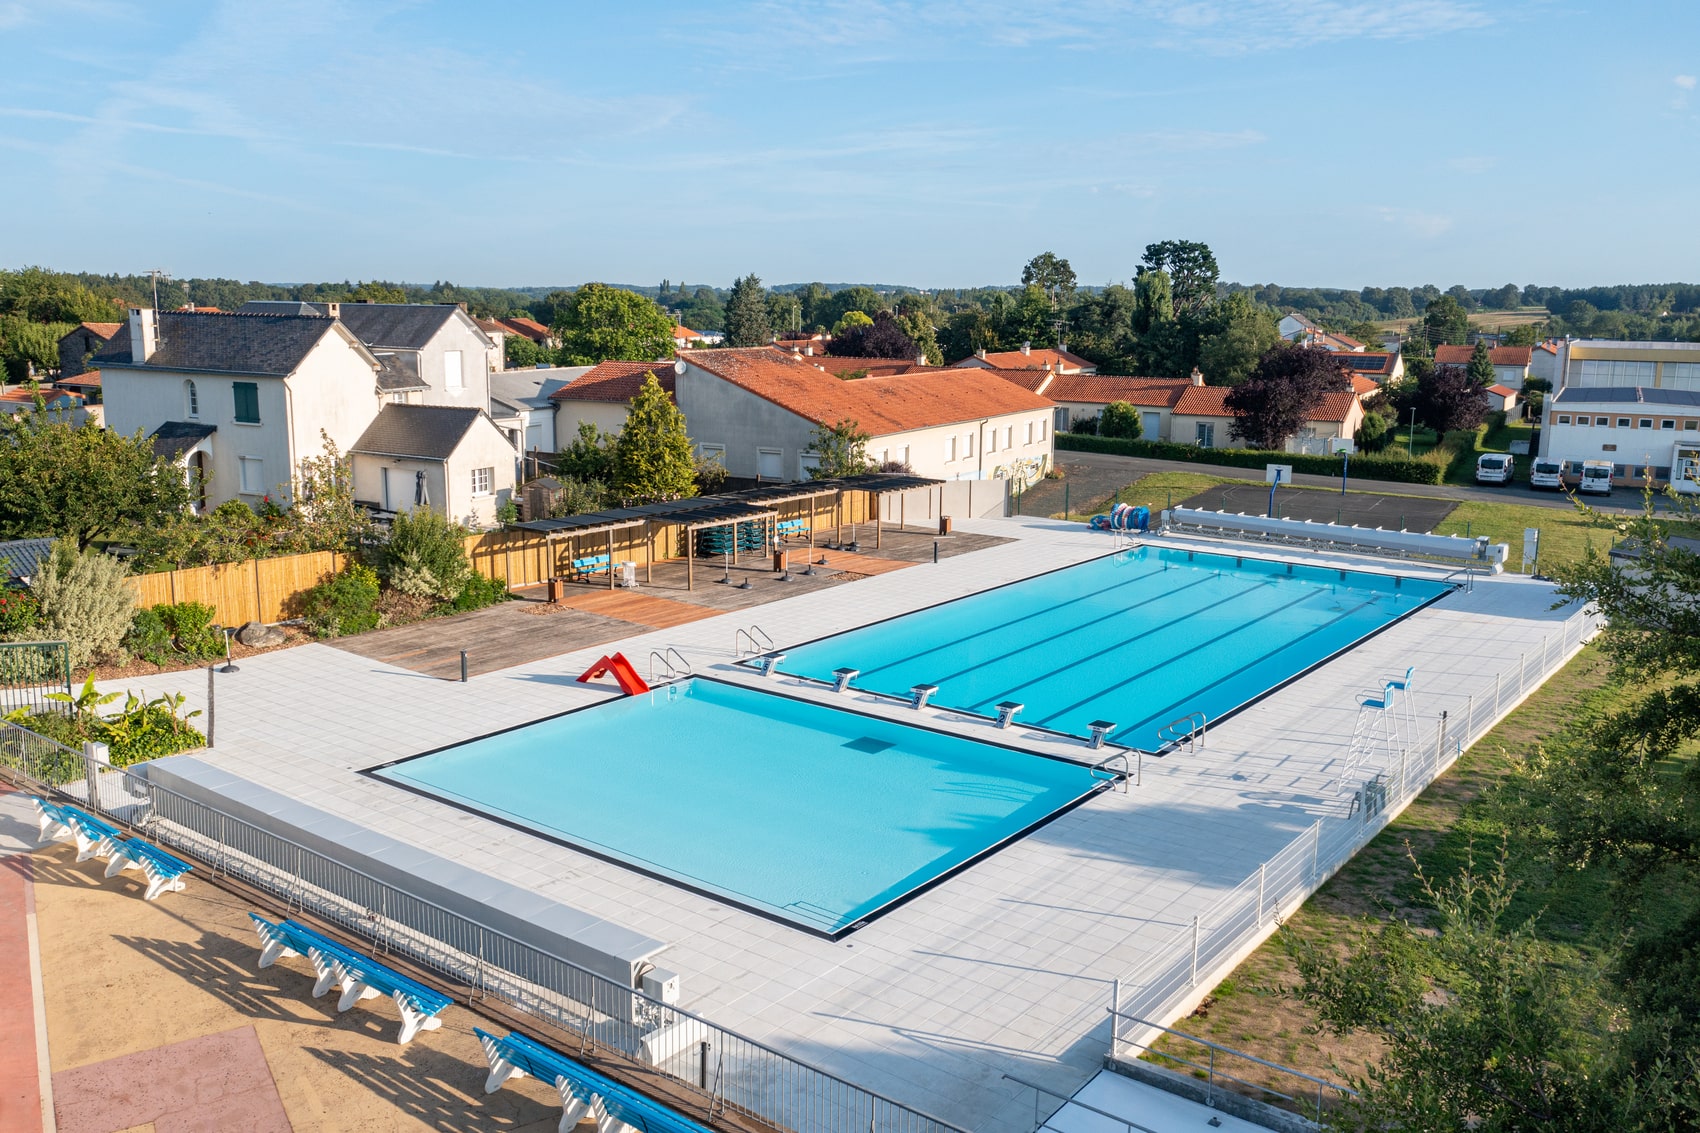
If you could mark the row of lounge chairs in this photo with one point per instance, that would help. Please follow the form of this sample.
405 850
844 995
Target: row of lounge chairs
584 1093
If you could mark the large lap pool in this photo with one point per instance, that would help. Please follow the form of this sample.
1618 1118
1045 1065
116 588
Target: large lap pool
818 817
1140 638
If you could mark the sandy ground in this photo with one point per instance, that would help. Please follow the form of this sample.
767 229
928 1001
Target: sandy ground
124 978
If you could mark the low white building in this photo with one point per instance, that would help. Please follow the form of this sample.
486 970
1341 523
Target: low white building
451 459
1634 404
601 395
757 411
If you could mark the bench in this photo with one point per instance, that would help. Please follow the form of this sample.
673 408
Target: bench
585 567
62 822
791 528
163 871
359 976
584 1092
55 822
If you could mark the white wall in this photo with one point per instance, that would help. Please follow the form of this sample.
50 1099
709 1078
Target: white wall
609 416
962 499
484 446
458 332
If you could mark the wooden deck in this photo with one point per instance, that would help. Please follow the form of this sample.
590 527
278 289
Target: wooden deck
636 607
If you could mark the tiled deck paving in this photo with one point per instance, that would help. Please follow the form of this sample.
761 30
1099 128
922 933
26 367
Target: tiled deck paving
1006 967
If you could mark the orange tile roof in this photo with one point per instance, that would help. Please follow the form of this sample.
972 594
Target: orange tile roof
1502 391
1037 359
105 330
879 405
1369 361
1362 385
1092 389
868 367
1499 355
685 334
86 378
1208 401
530 328
615 382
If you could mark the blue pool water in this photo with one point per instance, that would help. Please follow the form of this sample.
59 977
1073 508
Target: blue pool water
1139 638
816 816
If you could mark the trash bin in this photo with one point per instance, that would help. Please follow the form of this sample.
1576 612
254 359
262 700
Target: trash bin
778 561
628 575
557 590
944 525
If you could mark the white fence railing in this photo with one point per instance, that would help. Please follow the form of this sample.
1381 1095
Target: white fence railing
1203 952
726 1072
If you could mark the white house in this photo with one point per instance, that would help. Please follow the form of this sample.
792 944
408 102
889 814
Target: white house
243 398
757 411
1543 361
1510 363
449 458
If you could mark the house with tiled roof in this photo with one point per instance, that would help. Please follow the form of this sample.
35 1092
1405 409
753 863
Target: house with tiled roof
532 329
1201 417
684 338
1510 363
82 342
757 410
602 394
238 400
1543 361
1380 366
1061 360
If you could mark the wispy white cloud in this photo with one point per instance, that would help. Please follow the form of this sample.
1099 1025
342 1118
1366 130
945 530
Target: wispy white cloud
1686 82
1426 225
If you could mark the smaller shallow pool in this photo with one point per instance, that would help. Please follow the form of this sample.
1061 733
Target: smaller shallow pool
816 816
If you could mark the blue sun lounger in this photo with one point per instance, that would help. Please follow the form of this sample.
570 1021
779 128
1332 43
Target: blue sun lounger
163 871
359 976
584 1092
63 822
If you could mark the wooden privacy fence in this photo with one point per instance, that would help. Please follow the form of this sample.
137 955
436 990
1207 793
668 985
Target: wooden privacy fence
266 589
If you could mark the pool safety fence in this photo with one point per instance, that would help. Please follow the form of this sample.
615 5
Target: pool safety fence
729 1074
29 671
1200 954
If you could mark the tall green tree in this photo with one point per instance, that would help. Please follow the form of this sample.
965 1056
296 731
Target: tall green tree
748 322
1154 300
82 483
652 455
1052 274
1445 323
842 449
1030 319
1192 271
1241 333
1481 366
601 323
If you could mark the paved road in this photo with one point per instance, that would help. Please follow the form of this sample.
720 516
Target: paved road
1092 476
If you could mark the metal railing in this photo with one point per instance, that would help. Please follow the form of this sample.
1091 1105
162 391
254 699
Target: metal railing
728 1073
1212 1073
29 670
757 638
672 664
1184 734
1068 1101
1203 951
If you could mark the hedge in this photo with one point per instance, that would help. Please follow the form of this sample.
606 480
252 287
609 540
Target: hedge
1371 466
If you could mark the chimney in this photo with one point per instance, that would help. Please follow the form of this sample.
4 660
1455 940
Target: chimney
462 306
1026 348
980 354
144 334
809 350
334 310
1197 376
920 357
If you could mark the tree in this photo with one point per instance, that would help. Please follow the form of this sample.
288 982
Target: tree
919 327
82 483
836 305
376 292
842 450
882 337
520 352
84 601
549 308
602 323
1480 368
1289 383
747 320
589 457
1101 328
653 455
323 514
1449 398
1031 318
1523 334
968 332
1153 299
1507 298
1242 334
1191 267
852 320
1051 274
1119 419
1462 296
1445 322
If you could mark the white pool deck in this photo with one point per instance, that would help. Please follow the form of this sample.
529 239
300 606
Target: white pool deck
1007 966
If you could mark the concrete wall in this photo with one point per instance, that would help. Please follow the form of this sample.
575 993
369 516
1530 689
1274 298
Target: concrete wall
975 457
1632 449
959 499
720 413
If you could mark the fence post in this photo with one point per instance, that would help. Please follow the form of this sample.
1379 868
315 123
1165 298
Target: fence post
1260 872
1115 1016
1194 951
94 755
1315 849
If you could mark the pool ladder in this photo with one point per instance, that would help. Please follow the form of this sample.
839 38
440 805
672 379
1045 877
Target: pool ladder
757 639
668 669
1186 733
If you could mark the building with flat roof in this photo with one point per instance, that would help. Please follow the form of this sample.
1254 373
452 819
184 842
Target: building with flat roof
1633 404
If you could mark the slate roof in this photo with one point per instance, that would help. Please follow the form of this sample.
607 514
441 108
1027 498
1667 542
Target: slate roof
429 432
398 370
404 326
532 387
21 558
616 382
880 406
238 344
174 438
278 307
1499 355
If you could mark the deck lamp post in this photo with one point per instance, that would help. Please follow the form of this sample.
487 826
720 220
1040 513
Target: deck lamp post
229 665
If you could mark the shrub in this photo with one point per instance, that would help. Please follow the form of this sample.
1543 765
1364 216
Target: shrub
20 614
576 497
343 605
480 591
149 635
84 600
1396 466
192 624
141 730
1084 426
1119 419
507 512
426 555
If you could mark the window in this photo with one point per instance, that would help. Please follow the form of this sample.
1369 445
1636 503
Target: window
1602 421
716 453
968 444
949 449
247 402
770 464
1613 372
1029 433
809 461
1608 448
192 397
452 378
1041 428
1646 422
253 475
1206 434
482 478
991 440
1690 426
1667 424
1564 418
1680 375
1009 436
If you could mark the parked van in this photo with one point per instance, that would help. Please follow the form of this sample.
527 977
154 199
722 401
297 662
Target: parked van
1596 477
1545 473
1494 468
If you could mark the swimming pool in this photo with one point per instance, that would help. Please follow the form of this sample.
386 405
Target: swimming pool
819 817
1141 638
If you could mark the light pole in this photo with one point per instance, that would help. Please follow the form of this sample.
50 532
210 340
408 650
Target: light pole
1411 436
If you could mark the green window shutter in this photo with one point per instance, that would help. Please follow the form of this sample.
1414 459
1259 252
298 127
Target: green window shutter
247 402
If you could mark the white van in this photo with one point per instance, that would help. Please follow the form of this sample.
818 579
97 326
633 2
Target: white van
1544 473
1596 477
1494 468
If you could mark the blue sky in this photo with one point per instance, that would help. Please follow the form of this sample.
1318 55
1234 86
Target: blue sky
1321 142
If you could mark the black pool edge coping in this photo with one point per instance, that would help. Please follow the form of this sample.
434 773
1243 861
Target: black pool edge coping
833 935
1447 589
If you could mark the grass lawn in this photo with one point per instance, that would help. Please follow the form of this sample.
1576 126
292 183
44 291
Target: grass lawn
1470 810
1565 533
1156 490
